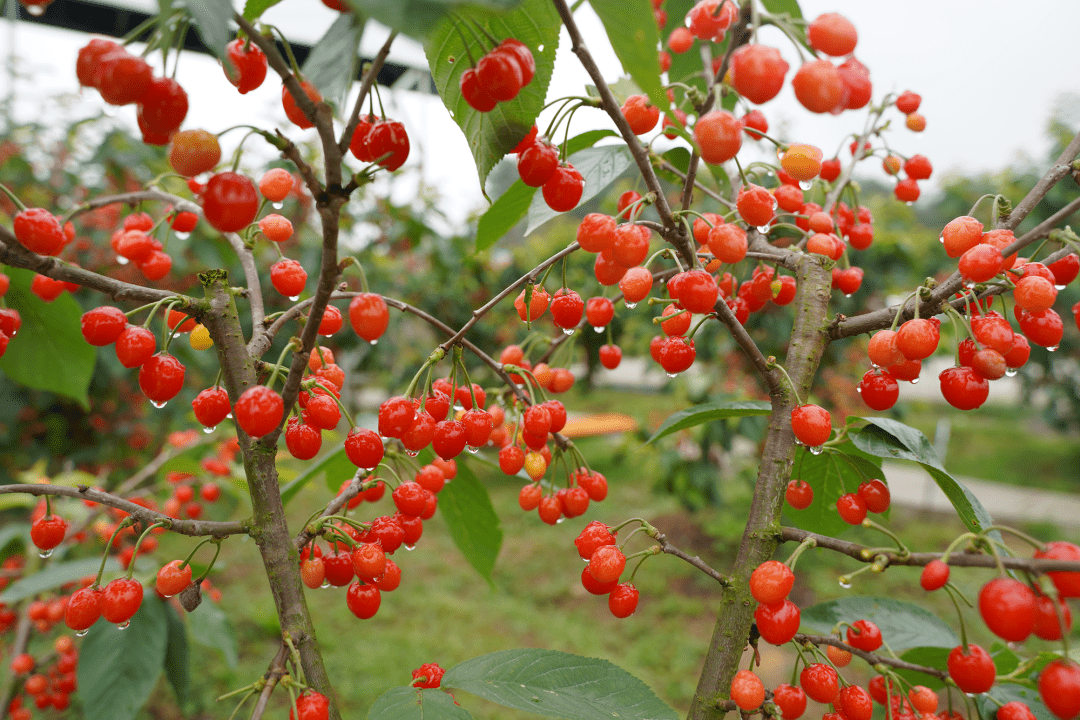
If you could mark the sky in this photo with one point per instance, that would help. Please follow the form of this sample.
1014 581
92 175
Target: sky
989 73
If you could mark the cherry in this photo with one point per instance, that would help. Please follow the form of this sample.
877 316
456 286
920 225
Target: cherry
640 114
839 658
595 535
994 331
879 390
39 231
364 448
680 39
396 416
1007 607
390 579
1015 710
811 424
594 484
728 243
855 703
631 244
934 575
832 34
610 356
596 232
537 165
607 563
194 152
963 388
876 495
369 559
259 410
311 705
338 568
719 136
161 377
1048 626
389 140
883 349
799 494
1059 687
276 184
172 578
636 285
907 191
410 499
623 600
363 600
918 167
989 364
864 635
753 121
818 86
802 162
475 93
830 169
563 190
230 202
972 670
820 682
369 316
499 74
852 508
303 441
88 62
122 78
961 235
677 354
698 291
1066 269
566 308
83 608
163 107
777 623
679 324
917 339
1066 583
791 700
449 439
708 19
1044 328
292 110
538 304
747 690
757 73
245 65
48 531
771 582
121 600
288 277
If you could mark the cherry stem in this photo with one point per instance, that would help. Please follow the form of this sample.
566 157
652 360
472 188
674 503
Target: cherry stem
955 544
773 365
701 322
846 579
654 550
291 346
138 543
900 309
392 472
288 50
48 506
337 401
13 197
960 616
870 524
187 560
1038 545
243 700
436 355
217 551
632 210
171 332
803 546
294 655
458 353
125 523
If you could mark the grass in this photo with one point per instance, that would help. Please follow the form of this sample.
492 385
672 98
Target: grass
445 612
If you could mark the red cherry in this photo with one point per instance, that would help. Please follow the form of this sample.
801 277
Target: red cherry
876 495
1007 607
288 277
83 608
818 86
771 582
388 144
537 164
879 390
230 201
864 635
103 325
163 107
855 703
369 316
566 308
363 600
811 424
1066 583
917 339
757 72
449 439
963 388
39 231
1048 625
134 346
364 448
778 622
121 600
719 136
799 494
259 410
245 65
1066 269
122 78
677 354
499 74
47 532
747 690
88 64
832 34
172 579
562 191
934 575
623 600
606 563
852 508
610 356
1043 328
820 682
1059 688
292 110
791 700
311 705
303 441
161 377
973 671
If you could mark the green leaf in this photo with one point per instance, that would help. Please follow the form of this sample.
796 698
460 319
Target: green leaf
49 353
177 657
903 625
474 526
214 21
928 657
708 412
333 464
783 7
886 438
118 669
332 64
421 18
253 9
54 576
492 135
830 477
1009 692
631 28
558 684
211 628
12 533
512 205
600 166
409 703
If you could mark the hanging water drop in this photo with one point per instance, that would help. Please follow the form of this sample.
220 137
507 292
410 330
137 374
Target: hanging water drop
914 381
35 10
805 184
559 521
471 449
630 305
1052 348
847 295
124 625
158 405
909 203
121 260
1059 288
183 235
941 239
845 583
763 229
325 584
44 554
1010 372
374 342
597 329
278 205
858 388
817 450
672 375
229 416
294 298
412 453
82 633
568 331
209 430
408 547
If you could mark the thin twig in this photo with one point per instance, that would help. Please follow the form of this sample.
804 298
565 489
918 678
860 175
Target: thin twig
1057 171
370 77
872 658
272 675
694 560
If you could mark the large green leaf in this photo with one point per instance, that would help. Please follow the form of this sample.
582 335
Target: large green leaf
512 205
1009 692
49 351
600 166
118 669
253 9
214 22
708 412
178 657
421 18
830 477
631 28
935 657
903 625
54 576
474 526
558 684
887 438
211 628
492 135
334 465
409 703
332 64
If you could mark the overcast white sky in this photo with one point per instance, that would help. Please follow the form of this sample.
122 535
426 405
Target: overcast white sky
989 73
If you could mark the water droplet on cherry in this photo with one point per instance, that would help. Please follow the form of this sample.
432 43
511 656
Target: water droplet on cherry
278 205
412 453
671 375
374 342
845 583
805 184
44 554
909 203
183 235
847 295
82 633
124 625
763 229
568 331
35 10
472 450
1052 348
597 328
858 388
560 520
817 450
1010 372
158 405
229 416
1059 287
325 584
941 239
410 548
209 429
630 305
121 260
294 298
914 381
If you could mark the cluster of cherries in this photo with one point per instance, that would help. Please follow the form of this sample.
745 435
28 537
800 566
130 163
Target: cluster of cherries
125 79
499 75
539 166
606 563
45 687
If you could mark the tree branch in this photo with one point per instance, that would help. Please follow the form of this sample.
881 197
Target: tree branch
194 528
368 80
872 658
251 278
273 674
1057 171
694 560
